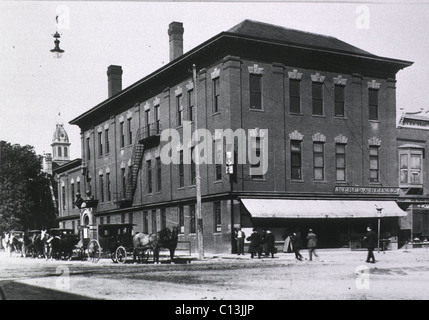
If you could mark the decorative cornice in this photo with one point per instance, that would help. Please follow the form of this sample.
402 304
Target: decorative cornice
178 91
374 84
257 132
340 81
341 139
294 74
317 78
99 129
318 137
374 141
106 126
190 86
129 114
121 118
215 74
156 101
255 69
146 106
295 135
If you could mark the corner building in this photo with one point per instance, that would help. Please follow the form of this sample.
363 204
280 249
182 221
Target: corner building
329 110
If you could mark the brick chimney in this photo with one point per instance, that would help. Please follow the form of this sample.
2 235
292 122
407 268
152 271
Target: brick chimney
175 31
114 79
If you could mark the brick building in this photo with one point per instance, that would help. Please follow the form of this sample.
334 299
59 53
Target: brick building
326 109
413 178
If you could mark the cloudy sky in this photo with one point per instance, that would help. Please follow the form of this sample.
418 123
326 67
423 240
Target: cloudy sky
37 91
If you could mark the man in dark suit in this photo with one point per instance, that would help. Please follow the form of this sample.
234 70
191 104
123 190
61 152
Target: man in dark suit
371 242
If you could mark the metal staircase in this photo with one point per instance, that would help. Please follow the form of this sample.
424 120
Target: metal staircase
146 138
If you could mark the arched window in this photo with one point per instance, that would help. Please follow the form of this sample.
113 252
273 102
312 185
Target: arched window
65 152
59 152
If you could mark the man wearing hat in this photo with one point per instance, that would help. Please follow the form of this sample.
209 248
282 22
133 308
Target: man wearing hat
311 243
371 241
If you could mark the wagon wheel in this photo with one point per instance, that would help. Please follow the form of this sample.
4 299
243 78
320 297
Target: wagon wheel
94 251
81 254
121 254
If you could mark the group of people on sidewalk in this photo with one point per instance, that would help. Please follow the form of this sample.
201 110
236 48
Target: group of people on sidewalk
264 243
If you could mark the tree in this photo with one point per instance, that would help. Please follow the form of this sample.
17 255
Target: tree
25 201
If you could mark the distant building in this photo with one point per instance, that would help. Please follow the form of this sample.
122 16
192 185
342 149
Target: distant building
413 143
329 109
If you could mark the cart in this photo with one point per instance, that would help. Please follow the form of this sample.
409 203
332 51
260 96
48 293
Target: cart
109 240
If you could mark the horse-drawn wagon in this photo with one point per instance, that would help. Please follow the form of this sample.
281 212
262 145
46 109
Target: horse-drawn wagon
60 243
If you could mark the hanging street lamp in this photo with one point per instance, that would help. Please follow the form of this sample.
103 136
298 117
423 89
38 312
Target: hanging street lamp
57 51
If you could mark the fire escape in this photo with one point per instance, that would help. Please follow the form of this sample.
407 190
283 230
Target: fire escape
146 138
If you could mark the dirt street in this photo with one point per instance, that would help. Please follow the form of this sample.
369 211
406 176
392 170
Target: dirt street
336 274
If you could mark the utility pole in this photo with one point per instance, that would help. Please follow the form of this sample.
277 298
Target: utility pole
200 235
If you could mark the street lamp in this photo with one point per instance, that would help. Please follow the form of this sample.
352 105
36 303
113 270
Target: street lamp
378 237
57 51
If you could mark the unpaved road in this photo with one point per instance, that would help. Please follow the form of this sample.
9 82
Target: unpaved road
338 274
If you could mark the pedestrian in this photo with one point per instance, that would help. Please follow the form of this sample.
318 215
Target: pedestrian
239 237
264 242
270 244
255 244
371 241
297 245
311 244
288 246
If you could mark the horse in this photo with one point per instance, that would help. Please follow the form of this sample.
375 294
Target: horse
14 243
39 244
166 238
61 247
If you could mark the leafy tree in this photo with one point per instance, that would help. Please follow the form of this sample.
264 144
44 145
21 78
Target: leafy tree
25 200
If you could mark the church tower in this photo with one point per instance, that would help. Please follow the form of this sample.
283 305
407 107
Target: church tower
60 145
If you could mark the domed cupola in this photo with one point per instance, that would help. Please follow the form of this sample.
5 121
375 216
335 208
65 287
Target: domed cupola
60 145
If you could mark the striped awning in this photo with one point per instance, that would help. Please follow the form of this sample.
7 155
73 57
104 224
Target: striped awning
292 208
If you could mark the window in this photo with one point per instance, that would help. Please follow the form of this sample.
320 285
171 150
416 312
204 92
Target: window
101 188
317 98
216 95
193 169
295 95
340 161
130 131
218 160
217 217
163 219
59 152
179 107
65 152
88 149
122 134
373 104
193 227
181 219
158 175
255 91
145 222
181 171
295 155
63 196
78 186
101 221
191 105
122 217
157 120
373 164
339 100
147 121
257 147
149 175
124 182
72 194
109 187
106 140
318 160
108 219
100 144
154 225
411 166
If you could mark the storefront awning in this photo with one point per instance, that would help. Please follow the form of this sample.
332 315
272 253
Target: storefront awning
288 208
